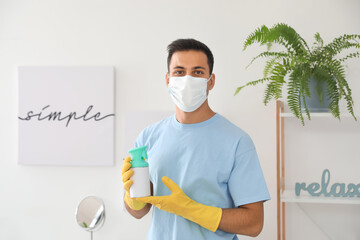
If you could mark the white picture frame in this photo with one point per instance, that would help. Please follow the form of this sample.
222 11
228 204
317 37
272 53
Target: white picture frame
66 115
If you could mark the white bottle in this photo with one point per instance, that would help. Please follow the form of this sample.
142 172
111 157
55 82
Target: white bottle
140 178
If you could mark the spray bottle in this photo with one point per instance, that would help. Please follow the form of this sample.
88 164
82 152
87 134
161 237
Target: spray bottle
140 178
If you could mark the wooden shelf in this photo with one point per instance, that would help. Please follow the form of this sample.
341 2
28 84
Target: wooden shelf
317 114
289 196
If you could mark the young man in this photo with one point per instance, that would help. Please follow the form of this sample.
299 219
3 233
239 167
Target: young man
207 182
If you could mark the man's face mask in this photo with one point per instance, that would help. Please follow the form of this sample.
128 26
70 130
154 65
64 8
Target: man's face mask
188 92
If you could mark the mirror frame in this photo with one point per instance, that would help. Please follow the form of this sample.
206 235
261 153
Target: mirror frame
101 221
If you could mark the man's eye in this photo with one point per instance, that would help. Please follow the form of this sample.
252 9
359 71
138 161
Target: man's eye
178 72
199 72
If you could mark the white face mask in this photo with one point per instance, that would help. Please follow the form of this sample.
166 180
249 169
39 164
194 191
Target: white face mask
188 92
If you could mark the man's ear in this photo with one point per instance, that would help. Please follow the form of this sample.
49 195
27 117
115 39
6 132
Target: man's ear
211 82
167 77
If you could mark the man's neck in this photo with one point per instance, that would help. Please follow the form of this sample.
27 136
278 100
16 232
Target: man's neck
201 114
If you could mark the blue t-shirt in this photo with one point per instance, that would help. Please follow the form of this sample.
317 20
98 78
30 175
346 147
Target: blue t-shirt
214 162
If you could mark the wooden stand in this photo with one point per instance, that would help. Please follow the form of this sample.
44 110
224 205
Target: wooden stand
280 170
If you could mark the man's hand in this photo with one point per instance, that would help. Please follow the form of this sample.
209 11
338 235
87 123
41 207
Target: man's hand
178 203
126 173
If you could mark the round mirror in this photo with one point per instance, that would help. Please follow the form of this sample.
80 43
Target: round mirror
90 213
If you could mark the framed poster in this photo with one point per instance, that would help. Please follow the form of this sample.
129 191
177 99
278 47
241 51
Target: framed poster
66 115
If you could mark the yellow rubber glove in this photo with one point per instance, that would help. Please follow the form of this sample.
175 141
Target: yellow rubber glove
178 203
126 173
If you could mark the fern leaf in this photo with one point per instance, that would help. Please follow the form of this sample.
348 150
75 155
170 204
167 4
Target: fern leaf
319 40
257 36
252 83
351 55
341 43
269 54
294 97
274 88
335 98
288 37
269 65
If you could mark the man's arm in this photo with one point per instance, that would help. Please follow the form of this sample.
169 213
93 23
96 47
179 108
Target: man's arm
245 220
142 212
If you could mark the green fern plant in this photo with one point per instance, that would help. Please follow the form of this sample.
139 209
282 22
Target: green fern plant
298 62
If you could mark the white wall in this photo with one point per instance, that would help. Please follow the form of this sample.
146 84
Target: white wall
39 202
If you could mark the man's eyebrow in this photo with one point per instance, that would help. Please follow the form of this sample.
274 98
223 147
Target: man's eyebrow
199 67
196 67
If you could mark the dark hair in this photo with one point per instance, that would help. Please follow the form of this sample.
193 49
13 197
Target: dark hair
190 44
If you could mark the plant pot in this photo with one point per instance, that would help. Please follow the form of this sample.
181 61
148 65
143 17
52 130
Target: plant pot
315 103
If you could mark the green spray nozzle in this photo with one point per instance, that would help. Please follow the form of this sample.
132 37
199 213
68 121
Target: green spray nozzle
138 156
